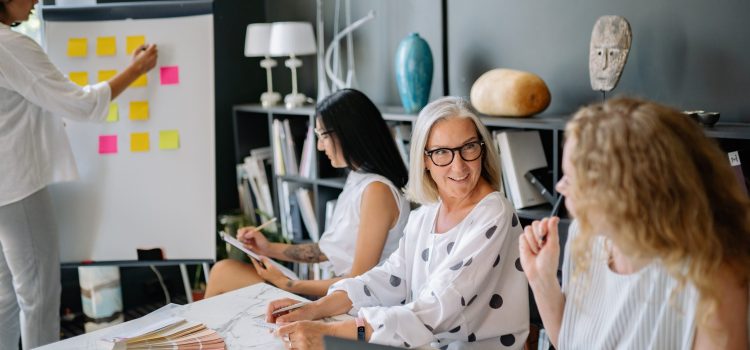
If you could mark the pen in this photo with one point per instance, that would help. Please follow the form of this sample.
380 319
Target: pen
290 307
263 225
555 210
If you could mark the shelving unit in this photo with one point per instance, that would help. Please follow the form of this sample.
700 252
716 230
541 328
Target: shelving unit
252 129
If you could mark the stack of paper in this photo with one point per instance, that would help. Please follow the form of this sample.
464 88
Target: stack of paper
171 333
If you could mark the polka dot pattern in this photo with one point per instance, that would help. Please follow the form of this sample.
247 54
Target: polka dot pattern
472 338
395 281
468 262
496 302
457 266
490 232
450 247
406 345
455 330
514 221
508 340
497 261
426 254
367 292
429 328
472 299
518 265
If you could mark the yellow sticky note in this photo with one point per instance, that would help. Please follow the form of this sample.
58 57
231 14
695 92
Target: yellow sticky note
106 46
139 142
169 139
140 82
139 110
80 78
105 75
114 113
77 47
133 42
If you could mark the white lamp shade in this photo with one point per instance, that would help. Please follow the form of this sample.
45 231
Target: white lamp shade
292 38
257 39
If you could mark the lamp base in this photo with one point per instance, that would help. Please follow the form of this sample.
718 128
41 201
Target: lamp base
294 100
268 99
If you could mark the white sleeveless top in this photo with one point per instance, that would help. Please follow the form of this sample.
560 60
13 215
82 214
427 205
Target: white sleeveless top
635 311
339 241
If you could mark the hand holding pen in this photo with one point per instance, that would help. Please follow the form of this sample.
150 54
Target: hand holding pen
539 247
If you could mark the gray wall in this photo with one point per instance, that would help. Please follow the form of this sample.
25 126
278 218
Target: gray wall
692 54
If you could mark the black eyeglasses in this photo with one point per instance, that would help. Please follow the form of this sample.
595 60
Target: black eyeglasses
320 133
444 156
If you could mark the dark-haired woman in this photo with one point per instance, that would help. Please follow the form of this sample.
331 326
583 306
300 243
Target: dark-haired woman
370 212
34 98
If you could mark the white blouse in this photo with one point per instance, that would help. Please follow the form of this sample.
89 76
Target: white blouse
34 95
339 241
643 310
463 288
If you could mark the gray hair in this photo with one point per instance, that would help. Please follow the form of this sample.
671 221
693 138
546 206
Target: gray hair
421 188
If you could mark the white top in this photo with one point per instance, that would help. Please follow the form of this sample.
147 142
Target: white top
463 288
643 310
34 95
339 241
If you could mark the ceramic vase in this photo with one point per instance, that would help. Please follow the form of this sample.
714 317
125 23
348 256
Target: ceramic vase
413 72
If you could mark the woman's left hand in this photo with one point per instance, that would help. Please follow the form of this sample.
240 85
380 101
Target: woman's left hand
304 335
271 273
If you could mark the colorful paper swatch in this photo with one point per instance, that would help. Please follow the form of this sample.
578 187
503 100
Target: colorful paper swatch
80 78
169 139
139 142
170 75
139 110
107 144
106 46
105 75
133 42
77 47
140 82
114 113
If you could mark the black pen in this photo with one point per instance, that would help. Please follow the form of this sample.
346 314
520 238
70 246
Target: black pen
553 213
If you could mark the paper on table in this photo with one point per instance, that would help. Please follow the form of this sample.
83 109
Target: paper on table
231 240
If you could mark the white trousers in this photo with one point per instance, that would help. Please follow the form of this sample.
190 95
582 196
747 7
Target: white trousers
29 273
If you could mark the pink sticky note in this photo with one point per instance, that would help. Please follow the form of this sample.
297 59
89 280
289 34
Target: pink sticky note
107 144
170 75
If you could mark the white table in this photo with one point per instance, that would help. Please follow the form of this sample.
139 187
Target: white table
233 315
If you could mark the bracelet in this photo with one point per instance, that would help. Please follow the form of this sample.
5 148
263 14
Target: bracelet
360 328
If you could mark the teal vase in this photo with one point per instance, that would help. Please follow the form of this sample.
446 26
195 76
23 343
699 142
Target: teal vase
413 72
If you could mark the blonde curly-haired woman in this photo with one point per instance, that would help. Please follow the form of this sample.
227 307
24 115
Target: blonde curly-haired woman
660 258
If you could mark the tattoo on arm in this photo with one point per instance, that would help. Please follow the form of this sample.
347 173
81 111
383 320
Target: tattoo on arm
308 253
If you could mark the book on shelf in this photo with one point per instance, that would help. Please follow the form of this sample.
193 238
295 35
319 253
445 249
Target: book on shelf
736 164
304 199
170 333
243 189
308 154
277 144
295 215
521 151
254 167
402 136
541 178
290 154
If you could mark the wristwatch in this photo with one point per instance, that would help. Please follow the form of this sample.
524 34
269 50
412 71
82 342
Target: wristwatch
360 328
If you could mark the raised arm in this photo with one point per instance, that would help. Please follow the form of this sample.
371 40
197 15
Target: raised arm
540 251
144 59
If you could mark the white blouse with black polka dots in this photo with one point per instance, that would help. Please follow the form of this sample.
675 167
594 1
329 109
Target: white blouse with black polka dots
463 288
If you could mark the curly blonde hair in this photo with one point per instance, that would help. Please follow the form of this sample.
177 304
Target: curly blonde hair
665 186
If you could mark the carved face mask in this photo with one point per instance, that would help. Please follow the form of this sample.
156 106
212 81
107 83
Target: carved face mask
610 45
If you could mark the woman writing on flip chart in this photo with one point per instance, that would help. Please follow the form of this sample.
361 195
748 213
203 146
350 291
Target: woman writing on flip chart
34 98
370 212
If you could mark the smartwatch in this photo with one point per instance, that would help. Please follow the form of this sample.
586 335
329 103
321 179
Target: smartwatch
360 328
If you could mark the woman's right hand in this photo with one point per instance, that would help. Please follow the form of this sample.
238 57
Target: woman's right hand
540 250
254 240
306 312
144 58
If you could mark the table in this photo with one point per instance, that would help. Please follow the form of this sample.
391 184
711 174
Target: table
234 315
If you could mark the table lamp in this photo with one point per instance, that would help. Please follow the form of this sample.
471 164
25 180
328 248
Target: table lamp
292 39
257 39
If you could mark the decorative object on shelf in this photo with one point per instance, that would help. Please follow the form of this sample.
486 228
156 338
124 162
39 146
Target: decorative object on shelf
292 39
608 52
332 72
704 118
257 40
101 296
413 72
509 93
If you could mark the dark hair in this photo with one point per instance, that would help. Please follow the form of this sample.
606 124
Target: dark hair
366 141
3 13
